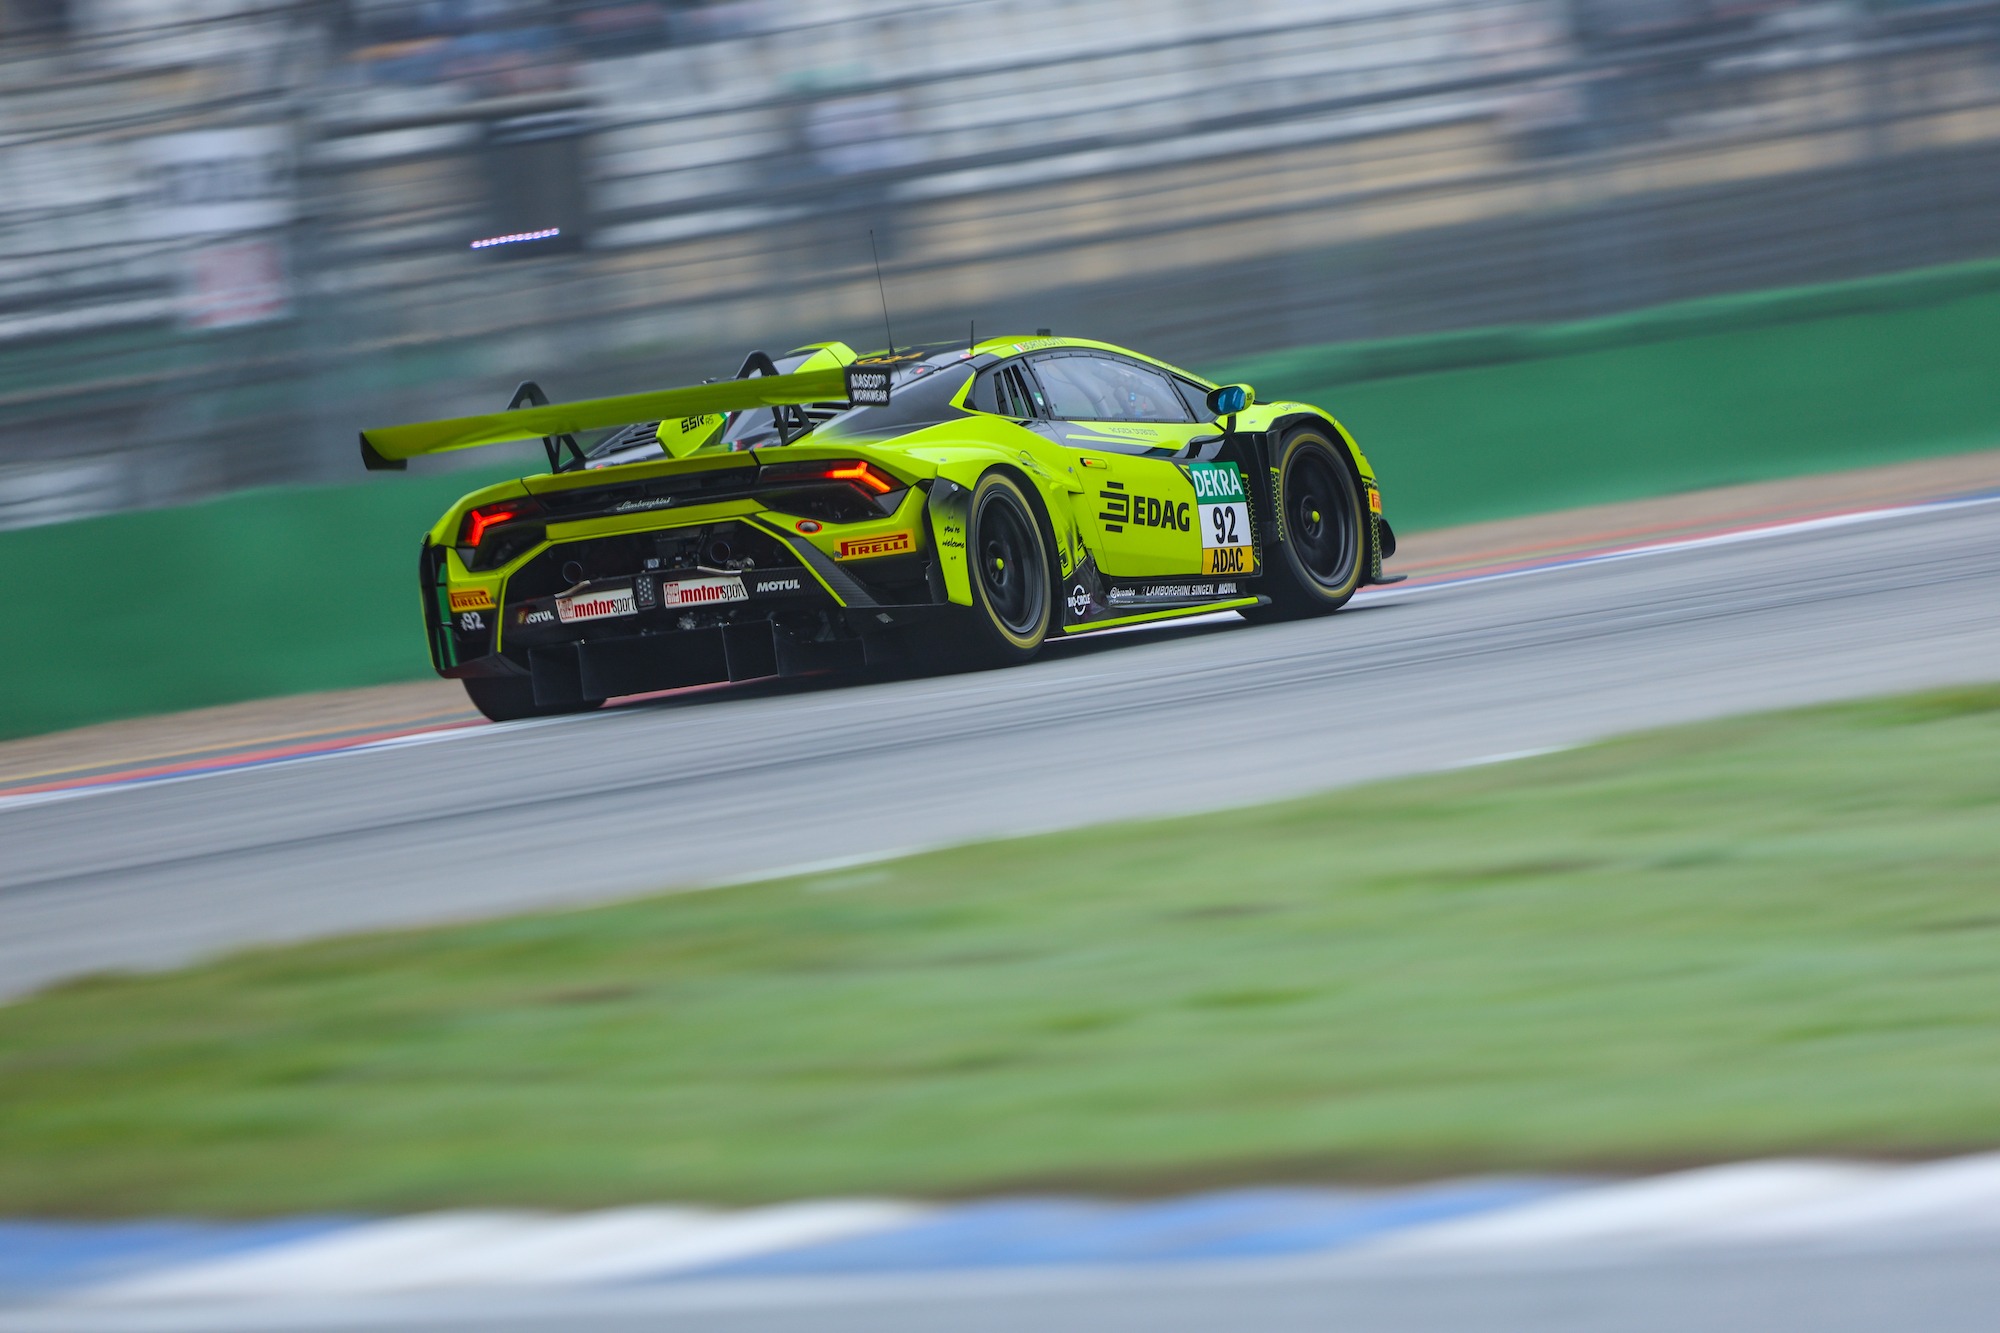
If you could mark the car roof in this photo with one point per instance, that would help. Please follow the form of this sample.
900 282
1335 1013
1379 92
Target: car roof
1014 345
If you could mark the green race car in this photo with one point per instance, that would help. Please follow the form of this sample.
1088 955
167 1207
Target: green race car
824 510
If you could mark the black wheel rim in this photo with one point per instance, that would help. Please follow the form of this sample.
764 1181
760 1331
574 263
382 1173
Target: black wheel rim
1010 565
1321 515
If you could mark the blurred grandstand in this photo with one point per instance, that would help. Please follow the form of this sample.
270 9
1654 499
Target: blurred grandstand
229 230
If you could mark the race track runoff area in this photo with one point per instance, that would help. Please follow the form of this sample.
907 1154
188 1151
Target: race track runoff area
1480 654
1846 974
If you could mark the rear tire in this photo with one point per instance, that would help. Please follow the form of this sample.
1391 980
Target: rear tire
1013 592
511 698
1324 518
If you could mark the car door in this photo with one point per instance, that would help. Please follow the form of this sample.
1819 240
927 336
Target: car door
1128 425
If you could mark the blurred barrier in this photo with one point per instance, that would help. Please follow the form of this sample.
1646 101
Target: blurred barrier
1344 363
187 308
1703 393
264 592
289 590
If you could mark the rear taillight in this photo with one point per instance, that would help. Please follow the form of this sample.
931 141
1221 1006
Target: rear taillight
863 476
866 476
478 522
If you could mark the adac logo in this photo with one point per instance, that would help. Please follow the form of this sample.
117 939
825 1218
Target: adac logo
1141 511
473 599
892 544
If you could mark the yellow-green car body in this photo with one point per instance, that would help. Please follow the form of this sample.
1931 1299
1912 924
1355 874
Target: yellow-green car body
982 500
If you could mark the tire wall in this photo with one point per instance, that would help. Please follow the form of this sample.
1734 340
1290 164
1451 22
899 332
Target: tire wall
291 590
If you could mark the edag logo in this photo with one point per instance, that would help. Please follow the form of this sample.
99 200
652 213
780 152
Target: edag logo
1141 511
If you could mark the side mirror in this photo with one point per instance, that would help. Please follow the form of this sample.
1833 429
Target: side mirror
1230 399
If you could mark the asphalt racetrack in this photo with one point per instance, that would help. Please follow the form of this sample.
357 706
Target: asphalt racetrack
711 786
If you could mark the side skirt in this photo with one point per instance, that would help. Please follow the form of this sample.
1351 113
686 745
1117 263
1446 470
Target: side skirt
1169 613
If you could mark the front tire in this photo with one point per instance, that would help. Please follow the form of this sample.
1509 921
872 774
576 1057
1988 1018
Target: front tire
511 698
1324 518
1013 593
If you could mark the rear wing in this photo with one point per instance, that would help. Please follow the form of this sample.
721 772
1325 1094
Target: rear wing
389 448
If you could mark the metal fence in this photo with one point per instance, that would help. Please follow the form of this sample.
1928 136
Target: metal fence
226 242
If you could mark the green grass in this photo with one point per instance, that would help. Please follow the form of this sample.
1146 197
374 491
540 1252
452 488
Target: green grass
1771 934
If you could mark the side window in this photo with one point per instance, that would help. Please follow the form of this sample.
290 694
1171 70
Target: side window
985 395
1194 396
1087 387
1006 390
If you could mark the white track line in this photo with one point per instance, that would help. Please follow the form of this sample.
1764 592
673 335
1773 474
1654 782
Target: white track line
337 752
1738 1205
471 1249
1960 1196
1735 537
368 1256
1686 1204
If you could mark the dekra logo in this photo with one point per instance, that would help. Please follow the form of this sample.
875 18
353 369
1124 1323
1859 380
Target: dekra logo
1216 483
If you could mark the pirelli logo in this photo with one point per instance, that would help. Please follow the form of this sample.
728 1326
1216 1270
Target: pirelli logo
472 599
894 543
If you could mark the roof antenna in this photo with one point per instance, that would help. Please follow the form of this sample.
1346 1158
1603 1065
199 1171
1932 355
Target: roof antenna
971 336
883 290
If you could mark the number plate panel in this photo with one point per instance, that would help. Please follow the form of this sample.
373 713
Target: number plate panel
1222 507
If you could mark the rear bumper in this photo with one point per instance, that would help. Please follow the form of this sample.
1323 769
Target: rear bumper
601 665
744 650
783 619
